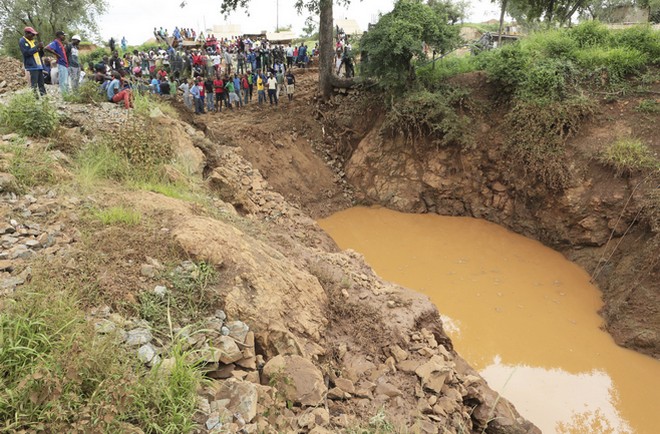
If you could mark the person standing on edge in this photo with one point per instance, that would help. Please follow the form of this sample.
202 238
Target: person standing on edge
59 51
32 59
272 89
290 84
74 62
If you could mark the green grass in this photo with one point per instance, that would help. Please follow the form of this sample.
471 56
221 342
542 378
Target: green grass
164 400
118 215
628 155
31 166
58 375
166 188
97 161
88 92
54 370
29 116
649 106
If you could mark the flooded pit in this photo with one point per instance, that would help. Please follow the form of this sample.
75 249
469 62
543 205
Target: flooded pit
518 312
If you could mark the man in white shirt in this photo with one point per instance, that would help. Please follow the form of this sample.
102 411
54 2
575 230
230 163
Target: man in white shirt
272 89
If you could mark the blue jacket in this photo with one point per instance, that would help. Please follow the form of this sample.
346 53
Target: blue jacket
28 55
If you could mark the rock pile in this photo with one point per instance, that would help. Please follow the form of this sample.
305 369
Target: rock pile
12 75
23 235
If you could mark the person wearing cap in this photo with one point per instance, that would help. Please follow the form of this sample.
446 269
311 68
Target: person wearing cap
32 52
58 49
74 62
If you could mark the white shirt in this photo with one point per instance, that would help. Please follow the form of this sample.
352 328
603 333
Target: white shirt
272 83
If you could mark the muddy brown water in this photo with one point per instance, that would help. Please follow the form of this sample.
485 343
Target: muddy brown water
519 312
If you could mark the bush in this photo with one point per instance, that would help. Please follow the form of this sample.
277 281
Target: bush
617 63
432 114
546 80
88 92
641 38
551 43
589 34
629 155
537 135
505 67
140 142
30 116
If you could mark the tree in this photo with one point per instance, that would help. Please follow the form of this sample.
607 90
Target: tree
322 8
47 17
400 37
310 28
549 11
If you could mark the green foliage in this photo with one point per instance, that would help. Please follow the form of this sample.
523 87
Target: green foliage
648 106
432 114
118 215
55 371
537 137
140 142
616 63
546 80
47 17
95 56
145 103
505 67
88 92
187 300
641 38
165 399
398 37
31 166
627 156
29 115
98 161
432 77
589 34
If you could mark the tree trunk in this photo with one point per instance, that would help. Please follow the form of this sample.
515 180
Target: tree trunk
499 34
326 54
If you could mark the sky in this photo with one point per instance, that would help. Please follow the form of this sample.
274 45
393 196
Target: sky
135 19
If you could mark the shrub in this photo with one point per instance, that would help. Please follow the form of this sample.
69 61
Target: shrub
546 80
140 142
30 116
641 38
618 63
629 155
506 67
88 92
551 43
537 135
589 34
432 114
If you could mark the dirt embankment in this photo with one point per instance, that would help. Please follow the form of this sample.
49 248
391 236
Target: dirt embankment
606 223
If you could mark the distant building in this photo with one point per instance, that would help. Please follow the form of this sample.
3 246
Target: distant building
224 31
350 27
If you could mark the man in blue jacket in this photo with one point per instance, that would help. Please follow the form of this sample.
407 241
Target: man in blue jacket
32 51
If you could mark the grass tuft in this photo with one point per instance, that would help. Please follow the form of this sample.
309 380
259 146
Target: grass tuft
118 215
627 156
29 116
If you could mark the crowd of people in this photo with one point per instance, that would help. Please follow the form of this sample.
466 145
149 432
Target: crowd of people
210 75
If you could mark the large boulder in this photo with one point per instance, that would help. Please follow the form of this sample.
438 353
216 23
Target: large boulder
298 378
